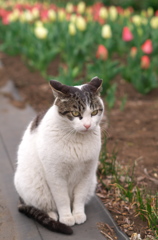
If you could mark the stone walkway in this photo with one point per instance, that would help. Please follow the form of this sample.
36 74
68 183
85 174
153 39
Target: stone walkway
13 225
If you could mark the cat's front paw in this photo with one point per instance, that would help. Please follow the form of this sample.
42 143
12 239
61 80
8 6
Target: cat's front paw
68 220
79 217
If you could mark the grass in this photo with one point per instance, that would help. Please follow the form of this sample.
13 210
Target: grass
122 179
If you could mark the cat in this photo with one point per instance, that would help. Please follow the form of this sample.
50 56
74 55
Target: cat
58 156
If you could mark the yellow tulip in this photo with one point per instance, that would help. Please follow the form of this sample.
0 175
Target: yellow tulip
38 23
61 15
127 12
136 19
150 11
28 16
81 23
35 12
14 16
106 31
72 29
73 18
69 7
41 32
52 15
81 7
154 22
113 13
103 13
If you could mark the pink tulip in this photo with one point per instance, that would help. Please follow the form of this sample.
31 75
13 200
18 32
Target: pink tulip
102 52
145 62
147 47
127 34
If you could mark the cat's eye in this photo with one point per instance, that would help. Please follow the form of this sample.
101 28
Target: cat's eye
75 114
95 112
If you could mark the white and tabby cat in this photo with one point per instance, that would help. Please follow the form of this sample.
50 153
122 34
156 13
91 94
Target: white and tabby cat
58 157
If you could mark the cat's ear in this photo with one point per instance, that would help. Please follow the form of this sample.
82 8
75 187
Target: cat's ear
59 89
97 84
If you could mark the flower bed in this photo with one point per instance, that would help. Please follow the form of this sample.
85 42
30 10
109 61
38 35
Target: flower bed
87 39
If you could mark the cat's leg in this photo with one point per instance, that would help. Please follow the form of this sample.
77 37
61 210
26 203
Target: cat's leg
82 194
61 197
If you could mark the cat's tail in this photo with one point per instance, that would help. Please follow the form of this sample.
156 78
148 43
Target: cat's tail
43 219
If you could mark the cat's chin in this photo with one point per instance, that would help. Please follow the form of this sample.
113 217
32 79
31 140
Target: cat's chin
84 131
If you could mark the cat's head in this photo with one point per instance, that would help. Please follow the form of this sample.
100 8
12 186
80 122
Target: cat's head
80 106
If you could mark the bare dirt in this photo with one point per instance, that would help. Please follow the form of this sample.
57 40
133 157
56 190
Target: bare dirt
132 133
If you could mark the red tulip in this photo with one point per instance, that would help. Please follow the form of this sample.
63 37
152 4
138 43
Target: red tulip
127 34
133 52
147 47
102 52
145 62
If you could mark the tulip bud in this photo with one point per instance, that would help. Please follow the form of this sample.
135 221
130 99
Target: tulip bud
81 7
154 22
38 24
150 11
106 31
127 34
35 12
52 15
102 52
145 62
73 18
69 7
133 52
28 16
147 47
103 13
136 19
61 15
72 29
41 32
113 13
81 23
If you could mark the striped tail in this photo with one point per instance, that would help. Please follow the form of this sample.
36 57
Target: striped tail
43 219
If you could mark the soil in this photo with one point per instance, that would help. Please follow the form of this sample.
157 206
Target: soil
132 132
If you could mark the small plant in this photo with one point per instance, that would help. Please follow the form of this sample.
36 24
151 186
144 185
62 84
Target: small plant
146 205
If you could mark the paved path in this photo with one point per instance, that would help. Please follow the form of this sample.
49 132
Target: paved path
13 225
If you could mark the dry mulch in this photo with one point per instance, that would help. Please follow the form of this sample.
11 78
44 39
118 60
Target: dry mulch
131 132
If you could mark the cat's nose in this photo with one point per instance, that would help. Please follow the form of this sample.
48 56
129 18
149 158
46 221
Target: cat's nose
87 126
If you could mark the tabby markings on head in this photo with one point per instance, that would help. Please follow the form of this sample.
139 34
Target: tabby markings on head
78 100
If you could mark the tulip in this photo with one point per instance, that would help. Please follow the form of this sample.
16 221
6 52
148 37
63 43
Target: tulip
103 13
136 19
73 18
28 16
127 34
35 12
150 11
69 7
154 22
113 13
102 52
81 7
106 31
147 47
72 29
41 32
52 15
145 62
133 52
14 16
81 23
61 15
38 23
